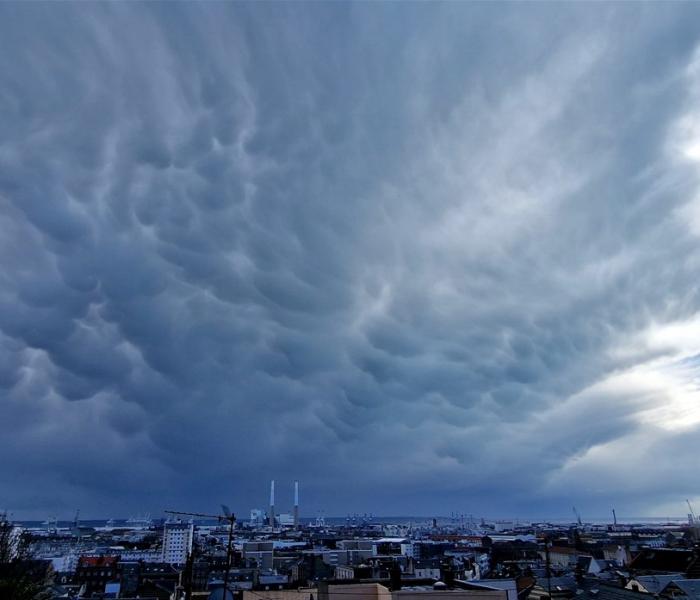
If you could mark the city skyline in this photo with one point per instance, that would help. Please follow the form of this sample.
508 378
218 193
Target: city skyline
421 257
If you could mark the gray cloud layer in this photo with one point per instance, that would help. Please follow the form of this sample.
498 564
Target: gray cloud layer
424 258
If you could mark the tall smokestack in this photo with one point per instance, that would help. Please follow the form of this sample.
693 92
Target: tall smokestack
296 504
272 503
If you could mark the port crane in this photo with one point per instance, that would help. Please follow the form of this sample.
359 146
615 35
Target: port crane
578 517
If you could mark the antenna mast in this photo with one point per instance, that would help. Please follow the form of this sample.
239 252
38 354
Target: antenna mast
227 516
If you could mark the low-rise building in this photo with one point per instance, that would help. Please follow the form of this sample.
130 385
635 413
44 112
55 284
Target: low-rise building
94 572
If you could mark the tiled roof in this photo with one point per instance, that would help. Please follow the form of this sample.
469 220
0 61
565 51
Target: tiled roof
98 561
602 591
567 550
662 560
690 587
655 583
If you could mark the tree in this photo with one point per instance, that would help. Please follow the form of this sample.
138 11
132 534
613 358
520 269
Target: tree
21 577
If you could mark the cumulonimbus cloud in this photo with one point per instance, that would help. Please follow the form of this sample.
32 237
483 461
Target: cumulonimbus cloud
419 259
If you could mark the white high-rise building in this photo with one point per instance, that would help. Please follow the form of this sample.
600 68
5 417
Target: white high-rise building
177 542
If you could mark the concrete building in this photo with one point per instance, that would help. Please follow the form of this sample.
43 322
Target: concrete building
149 556
94 572
285 520
335 558
426 569
376 591
344 572
272 594
357 550
508 585
177 542
257 517
564 556
392 546
258 553
618 553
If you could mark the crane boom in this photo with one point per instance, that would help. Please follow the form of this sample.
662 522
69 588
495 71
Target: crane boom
194 514
578 516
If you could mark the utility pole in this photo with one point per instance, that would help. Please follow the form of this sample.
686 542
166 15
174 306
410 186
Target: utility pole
189 568
231 519
549 566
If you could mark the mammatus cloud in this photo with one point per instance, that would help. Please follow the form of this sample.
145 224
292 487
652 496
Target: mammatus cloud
421 258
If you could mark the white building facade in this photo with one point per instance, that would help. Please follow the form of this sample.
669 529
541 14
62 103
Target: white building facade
177 542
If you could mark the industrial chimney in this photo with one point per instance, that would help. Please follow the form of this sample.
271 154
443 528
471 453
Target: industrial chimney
296 505
272 504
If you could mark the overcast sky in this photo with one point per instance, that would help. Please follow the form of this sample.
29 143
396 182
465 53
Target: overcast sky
422 257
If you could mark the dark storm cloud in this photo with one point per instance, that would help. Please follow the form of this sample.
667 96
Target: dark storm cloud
422 258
